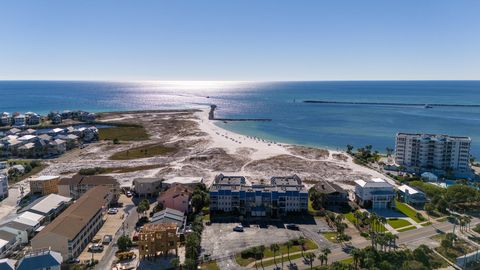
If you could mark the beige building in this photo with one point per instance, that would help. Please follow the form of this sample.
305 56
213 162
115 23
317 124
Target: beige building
75 227
157 239
147 187
77 185
44 185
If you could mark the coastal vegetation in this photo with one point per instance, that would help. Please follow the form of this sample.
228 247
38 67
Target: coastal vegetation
252 254
364 155
125 132
31 167
452 247
144 151
102 170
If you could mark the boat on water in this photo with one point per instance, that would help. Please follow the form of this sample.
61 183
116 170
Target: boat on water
427 106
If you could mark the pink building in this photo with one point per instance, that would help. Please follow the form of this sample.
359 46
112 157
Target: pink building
177 197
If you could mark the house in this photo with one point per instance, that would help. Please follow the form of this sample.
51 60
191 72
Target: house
7 264
43 259
19 120
335 196
70 139
375 193
430 177
411 196
78 184
44 185
56 119
188 181
8 242
177 197
31 219
5 119
169 215
19 168
279 197
86 117
3 185
20 230
57 147
157 239
32 118
13 131
75 227
48 206
147 187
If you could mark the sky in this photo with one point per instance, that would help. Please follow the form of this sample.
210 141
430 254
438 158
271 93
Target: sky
252 40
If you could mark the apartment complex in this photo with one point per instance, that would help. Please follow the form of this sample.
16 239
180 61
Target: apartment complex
434 152
77 185
157 239
44 185
280 196
75 227
375 193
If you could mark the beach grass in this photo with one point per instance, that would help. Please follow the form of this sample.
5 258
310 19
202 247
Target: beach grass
144 151
398 223
123 133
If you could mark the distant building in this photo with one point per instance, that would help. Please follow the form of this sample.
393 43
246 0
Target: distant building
44 185
335 195
169 215
188 181
8 242
281 196
19 120
3 185
147 187
411 196
435 153
375 193
5 119
75 227
430 177
176 197
43 259
78 184
157 239
21 231
56 119
32 118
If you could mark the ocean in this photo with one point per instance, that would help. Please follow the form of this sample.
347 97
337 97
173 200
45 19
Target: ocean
323 125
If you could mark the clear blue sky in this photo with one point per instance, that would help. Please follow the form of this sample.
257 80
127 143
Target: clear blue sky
240 40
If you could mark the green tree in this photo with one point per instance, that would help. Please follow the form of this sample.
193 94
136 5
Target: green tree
326 252
289 245
275 248
310 258
124 243
175 262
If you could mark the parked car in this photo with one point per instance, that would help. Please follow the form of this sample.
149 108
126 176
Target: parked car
107 239
238 228
112 211
292 227
128 193
95 248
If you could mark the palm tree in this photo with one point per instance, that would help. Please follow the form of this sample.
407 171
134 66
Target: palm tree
321 258
382 221
255 254
356 256
289 245
310 258
261 251
301 241
274 248
326 251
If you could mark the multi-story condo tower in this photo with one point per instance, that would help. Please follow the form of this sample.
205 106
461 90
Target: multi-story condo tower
278 197
434 152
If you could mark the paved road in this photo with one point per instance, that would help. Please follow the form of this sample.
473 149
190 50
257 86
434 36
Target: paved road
130 221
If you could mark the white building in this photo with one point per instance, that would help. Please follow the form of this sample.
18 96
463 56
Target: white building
3 186
19 120
375 193
433 152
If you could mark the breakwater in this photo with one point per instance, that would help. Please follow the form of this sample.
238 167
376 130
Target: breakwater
211 116
391 103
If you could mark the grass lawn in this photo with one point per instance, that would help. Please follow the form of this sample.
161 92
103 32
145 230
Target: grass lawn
212 265
426 224
144 151
348 260
134 133
309 244
408 211
398 223
349 216
406 229
278 260
442 219
331 236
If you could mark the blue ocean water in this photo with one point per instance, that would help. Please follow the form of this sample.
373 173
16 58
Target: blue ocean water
328 125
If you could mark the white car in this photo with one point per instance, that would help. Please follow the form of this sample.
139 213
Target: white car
95 248
112 211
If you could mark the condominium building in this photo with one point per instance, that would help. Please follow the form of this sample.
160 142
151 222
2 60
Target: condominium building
375 193
434 152
77 185
75 227
44 185
278 197
157 239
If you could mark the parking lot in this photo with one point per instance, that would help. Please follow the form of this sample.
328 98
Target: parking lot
113 222
220 241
